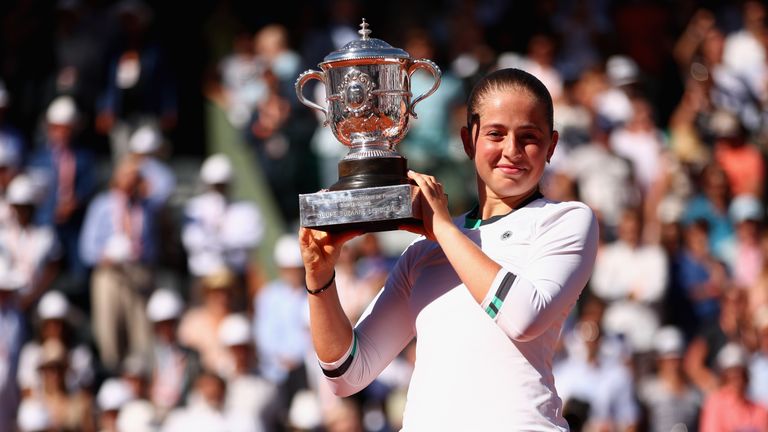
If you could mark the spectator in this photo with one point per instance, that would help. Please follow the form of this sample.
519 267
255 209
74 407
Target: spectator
219 231
746 258
113 394
247 393
120 241
199 327
174 366
742 161
32 249
70 410
9 168
68 175
140 88
758 363
728 408
671 400
280 326
145 144
600 381
53 310
9 135
207 411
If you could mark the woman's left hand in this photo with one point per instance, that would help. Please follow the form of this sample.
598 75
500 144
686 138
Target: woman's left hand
434 206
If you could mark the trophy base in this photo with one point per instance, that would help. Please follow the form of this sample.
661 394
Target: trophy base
371 209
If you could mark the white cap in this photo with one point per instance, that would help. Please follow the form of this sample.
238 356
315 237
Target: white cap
164 304
305 411
146 139
22 191
62 111
731 355
669 342
216 169
53 305
746 207
724 124
288 252
33 416
622 70
113 394
235 330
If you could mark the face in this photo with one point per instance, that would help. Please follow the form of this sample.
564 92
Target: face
510 144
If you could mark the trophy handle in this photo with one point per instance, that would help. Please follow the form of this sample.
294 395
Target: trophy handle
303 78
430 67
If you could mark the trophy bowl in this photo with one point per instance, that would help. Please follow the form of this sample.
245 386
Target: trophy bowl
369 102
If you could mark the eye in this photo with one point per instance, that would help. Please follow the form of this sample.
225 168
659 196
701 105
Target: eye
529 137
494 134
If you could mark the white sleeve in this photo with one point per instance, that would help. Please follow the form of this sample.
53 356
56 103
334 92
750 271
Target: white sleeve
384 329
561 260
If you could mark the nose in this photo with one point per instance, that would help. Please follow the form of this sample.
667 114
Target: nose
512 148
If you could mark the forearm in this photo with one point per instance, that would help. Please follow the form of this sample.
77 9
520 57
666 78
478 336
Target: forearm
475 269
330 328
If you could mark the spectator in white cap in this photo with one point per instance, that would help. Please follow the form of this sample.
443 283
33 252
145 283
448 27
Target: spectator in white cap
146 143
68 175
247 392
13 336
670 398
120 240
32 248
33 417
218 230
206 410
280 326
729 408
746 256
53 312
70 409
174 366
113 395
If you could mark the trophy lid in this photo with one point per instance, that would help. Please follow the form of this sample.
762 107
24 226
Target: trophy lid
365 47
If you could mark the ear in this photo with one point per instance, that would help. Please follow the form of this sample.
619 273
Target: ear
552 145
469 146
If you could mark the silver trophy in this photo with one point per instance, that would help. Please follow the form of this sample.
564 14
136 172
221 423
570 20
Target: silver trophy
368 95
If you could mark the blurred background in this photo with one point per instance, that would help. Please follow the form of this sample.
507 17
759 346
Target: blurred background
151 154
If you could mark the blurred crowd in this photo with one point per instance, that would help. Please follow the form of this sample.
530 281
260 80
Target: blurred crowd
131 298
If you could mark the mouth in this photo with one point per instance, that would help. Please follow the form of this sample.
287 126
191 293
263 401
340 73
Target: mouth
510 169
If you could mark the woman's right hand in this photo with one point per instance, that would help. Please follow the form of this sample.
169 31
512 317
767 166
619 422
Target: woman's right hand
320 250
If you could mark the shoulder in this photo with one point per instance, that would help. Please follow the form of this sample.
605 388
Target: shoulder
574 214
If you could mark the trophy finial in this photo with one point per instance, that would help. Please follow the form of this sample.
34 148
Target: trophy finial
364 32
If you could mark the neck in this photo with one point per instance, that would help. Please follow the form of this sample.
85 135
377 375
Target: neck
492 205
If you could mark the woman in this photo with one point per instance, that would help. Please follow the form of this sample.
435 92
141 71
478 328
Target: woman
485 294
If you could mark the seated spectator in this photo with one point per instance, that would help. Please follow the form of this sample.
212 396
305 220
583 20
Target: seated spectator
670 399
199 326
207 410
631 277
711 205
113 395
746 257
219 231
145 144
599 381
32 249
53 311
280 326
728 408
119 240
70 410
742 161
247 392
174 366
700 276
